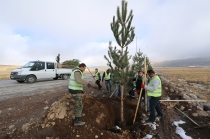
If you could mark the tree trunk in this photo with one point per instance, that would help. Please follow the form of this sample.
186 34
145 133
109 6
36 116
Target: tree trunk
122 113
122 95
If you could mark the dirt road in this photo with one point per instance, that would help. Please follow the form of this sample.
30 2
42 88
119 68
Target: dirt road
23 89
11 88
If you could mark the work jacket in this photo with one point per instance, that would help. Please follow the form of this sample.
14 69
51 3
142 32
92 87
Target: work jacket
57 59
152 83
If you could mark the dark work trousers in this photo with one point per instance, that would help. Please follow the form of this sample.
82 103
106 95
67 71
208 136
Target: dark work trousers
98 83
154 105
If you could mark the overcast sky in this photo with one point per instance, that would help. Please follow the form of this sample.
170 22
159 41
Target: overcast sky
80 29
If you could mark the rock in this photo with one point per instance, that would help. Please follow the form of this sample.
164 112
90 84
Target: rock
182 108
202 113
166 88
190 84
206 106
182 93
180 89
100 118
171 90
62 112
77 136
208 113
195 114
199 108
96 136
102 133
11 126
46 107
189 110
193 96
25 127
9 109
51 116
186 97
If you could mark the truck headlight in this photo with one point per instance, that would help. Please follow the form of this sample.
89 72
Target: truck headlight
19 72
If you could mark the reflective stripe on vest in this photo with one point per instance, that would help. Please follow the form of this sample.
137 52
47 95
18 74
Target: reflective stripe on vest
96 76
158 91
107 76
72 82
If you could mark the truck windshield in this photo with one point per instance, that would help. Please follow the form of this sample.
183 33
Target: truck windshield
29 64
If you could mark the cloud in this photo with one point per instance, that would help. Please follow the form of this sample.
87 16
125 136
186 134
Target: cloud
39 30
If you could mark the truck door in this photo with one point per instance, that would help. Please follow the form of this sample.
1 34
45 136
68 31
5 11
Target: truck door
39 69
50 70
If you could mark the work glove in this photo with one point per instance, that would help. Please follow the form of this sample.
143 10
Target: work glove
142 85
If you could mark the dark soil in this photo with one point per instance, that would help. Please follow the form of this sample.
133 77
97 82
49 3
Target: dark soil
23 117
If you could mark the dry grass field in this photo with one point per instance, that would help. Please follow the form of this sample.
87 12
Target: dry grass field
5 71
190 75
195 75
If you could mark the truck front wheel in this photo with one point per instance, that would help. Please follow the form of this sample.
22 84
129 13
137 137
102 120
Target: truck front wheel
65 77
31 79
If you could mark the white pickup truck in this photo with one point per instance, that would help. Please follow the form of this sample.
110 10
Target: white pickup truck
34 70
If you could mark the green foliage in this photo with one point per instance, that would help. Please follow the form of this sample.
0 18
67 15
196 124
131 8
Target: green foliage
138 61
71 63
117 62
124 35
121 27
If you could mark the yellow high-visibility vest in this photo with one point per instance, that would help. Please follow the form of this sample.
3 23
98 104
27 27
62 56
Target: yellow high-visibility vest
72 82
96 76
158 91
107 76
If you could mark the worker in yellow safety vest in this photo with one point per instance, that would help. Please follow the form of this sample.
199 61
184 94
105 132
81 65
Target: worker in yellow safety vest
154 90
107 77
76 83
97 77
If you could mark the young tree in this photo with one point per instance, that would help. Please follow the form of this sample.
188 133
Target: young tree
124 35
138 61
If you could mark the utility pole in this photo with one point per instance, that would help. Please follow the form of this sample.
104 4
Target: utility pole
136 44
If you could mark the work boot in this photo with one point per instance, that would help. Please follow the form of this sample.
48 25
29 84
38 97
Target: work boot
77 122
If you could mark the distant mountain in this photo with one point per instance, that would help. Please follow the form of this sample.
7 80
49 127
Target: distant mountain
198 62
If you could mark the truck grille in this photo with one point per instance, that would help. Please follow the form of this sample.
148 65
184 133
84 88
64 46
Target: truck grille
14 73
